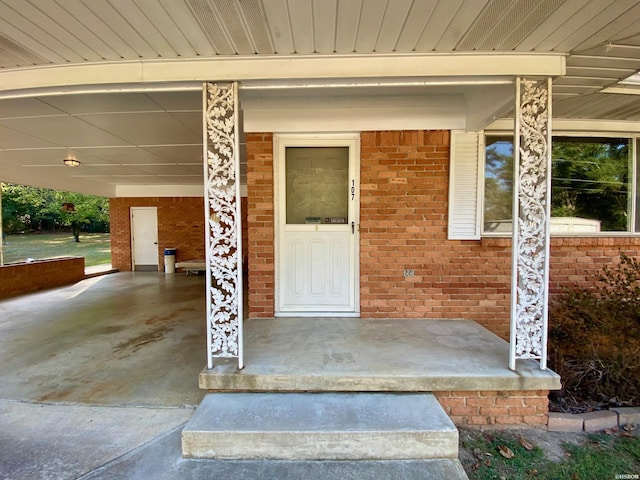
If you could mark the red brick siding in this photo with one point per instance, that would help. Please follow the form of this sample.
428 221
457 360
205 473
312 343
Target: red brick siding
21 278
576 260
404 208
509 408
260 217
180 225
403 225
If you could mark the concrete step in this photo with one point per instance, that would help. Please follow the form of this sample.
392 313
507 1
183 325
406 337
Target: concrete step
320 426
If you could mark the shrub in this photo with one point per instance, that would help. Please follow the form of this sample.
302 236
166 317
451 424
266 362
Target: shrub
594 340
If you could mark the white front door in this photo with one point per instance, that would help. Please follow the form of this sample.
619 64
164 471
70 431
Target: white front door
144 238
317 198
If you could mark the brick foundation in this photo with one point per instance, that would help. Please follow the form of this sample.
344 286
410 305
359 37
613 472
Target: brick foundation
21 278
496 409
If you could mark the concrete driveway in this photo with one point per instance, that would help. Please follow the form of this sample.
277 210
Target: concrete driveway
121 340
95 370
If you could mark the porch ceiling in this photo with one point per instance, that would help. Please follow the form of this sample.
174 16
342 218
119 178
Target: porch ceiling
140 138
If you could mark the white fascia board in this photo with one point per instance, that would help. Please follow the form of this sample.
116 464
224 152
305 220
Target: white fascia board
319 114
277 67
576 126
351 120
165 191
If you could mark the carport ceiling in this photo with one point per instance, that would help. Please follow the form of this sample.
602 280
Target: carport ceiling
153 137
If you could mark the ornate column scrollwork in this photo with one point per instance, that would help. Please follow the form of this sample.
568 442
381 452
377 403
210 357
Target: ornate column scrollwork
223 224
531 214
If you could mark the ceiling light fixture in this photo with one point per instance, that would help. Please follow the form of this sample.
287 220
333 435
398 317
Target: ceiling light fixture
71 162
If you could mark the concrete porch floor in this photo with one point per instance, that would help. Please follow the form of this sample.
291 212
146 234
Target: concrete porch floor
354 354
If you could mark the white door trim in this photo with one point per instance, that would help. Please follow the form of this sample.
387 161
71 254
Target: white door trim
132 227
281 141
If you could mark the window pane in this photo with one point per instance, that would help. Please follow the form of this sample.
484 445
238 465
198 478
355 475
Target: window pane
317 182
498 184
589 184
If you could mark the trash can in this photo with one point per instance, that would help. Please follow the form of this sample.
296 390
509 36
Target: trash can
169 260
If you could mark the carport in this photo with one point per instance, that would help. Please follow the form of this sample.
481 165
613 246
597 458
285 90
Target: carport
406 95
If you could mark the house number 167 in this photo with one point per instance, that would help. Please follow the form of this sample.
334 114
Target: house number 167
353 189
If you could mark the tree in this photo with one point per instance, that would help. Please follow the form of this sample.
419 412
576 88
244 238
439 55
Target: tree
88 211
26 209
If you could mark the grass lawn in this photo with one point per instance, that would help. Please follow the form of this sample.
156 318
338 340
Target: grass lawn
94 247
496 455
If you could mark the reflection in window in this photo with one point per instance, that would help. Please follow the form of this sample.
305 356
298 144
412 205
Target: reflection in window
590 181
498 184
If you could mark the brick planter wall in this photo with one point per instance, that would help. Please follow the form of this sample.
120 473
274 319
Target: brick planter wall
21 278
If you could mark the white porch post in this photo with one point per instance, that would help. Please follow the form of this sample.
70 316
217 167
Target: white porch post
531 214
223 222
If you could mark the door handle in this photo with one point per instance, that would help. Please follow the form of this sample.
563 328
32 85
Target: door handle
353 227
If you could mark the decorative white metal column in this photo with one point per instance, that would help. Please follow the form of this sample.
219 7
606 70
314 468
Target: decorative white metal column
531 214
223 222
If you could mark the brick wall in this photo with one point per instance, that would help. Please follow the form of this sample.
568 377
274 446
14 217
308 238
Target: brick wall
403 225
508 408
180 225
260 217
576 260
404 193
21 278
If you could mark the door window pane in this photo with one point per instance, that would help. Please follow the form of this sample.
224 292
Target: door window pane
317 185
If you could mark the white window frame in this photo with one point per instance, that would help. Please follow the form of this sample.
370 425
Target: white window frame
633 227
